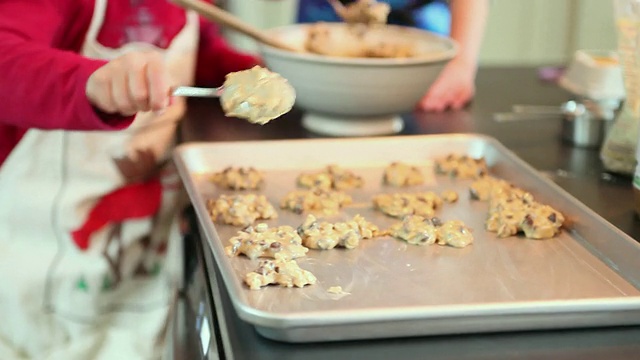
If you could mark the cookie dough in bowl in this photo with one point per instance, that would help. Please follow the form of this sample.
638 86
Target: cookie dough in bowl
352 94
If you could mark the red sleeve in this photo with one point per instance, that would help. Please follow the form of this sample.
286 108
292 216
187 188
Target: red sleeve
42 86
216 57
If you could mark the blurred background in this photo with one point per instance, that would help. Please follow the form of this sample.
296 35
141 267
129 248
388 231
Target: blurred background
519 32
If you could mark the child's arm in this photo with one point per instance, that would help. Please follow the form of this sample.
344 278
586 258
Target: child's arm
455 86
40 86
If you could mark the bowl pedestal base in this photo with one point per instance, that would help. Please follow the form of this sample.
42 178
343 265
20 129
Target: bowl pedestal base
352 126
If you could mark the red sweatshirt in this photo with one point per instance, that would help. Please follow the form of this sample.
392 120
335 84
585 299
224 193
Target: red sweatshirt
42 77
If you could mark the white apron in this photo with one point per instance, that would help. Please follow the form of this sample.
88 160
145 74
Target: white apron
85 223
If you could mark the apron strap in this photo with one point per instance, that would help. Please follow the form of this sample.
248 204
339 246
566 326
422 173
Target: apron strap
97 19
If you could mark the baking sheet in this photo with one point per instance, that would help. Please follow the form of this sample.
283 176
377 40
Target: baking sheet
587 276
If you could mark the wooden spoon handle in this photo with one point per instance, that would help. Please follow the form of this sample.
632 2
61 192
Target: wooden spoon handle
225 18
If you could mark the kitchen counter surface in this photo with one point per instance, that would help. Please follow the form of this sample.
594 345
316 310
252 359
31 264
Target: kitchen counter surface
537 141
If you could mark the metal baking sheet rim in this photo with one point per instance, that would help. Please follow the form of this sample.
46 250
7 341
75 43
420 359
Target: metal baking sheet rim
448 326
547 313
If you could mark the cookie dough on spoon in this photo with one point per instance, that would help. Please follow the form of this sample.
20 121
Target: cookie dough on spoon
257 95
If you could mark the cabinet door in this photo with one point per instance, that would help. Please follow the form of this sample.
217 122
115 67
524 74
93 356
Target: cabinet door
595 25
539 32
263 14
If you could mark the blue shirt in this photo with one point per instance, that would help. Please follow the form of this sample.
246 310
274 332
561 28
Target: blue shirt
428 15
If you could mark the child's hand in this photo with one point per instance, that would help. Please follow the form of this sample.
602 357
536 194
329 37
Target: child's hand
453 89
134 82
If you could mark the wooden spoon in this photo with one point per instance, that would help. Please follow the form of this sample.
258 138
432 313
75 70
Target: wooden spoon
225 18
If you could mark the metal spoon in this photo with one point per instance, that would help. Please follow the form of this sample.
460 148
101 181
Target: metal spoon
191 91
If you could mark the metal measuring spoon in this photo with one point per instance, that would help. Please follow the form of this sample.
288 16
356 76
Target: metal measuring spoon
531 112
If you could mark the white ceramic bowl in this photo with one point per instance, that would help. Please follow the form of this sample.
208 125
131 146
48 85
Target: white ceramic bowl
595 74
359 96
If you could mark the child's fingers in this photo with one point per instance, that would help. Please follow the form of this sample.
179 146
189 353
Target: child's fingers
106 102
98 90
120 93
138 88
433 101
129 84
158 84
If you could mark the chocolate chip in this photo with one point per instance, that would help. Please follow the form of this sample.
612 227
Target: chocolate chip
473 194
235 248
424 237
436 221
528 220
552 217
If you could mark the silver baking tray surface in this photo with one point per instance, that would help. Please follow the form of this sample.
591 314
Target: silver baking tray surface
587 276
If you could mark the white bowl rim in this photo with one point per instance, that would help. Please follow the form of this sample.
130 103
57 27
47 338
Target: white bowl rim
438 57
